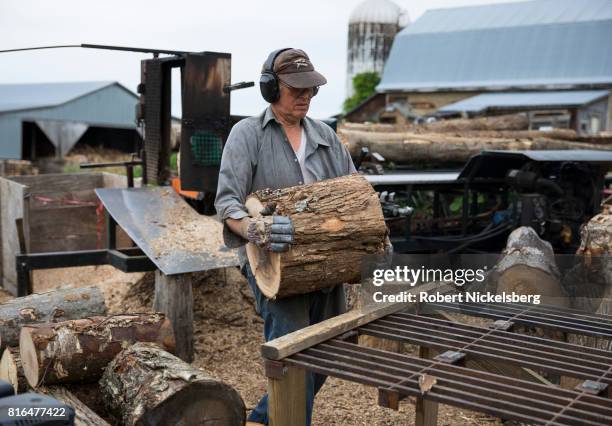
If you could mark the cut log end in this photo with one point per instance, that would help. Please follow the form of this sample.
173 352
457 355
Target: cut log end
191 406
12 371
144 385
29 360
522 279
264 263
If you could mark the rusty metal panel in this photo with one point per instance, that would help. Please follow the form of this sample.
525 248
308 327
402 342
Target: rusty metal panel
205 124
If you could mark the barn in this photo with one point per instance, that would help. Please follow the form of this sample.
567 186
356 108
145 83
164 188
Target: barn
512 52
48 119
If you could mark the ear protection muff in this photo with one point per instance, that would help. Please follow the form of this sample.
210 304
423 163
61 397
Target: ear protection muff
268 82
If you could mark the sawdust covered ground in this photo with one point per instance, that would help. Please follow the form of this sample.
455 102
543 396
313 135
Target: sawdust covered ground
228 334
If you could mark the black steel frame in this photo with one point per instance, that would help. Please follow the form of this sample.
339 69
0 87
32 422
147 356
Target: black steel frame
130 259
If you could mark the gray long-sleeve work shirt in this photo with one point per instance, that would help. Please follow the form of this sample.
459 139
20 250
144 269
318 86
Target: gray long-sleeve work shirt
258 155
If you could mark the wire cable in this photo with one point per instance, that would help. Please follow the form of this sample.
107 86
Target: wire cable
39 48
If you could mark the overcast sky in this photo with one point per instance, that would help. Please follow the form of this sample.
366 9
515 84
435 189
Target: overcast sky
248 30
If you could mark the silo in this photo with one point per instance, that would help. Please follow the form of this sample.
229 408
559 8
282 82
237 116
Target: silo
372 27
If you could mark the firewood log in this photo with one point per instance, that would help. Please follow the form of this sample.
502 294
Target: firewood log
144 385
12 371
84 415
445 148
77 351
590 280
52 306
337 222
527 266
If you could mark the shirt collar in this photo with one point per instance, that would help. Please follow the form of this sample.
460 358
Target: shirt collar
311 134
267 116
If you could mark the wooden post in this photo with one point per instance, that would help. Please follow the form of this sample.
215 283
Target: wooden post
426 411
287 397
174 297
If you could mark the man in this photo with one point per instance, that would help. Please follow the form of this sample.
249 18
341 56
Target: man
281 147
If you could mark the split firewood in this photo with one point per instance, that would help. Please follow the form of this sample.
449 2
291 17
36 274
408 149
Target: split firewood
336 223
12 371
145 385
440 147
52 306
77 351
527 266
84 416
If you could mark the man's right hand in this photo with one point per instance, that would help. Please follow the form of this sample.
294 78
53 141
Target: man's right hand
272 232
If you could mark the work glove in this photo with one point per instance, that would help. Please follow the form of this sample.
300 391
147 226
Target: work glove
388 247
272 232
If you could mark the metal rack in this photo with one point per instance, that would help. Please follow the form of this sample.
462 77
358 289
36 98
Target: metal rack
454 354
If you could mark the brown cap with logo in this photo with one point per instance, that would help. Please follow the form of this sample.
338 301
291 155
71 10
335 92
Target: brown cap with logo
293 67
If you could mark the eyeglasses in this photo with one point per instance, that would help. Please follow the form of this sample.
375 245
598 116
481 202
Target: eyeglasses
296 93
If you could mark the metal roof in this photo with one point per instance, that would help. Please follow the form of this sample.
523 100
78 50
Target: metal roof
15 97
549 99
551 43
517 14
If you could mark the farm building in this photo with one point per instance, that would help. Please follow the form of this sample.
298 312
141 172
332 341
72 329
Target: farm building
450 55
49 119
582 110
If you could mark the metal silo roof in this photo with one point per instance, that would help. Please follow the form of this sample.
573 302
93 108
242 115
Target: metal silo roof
527 44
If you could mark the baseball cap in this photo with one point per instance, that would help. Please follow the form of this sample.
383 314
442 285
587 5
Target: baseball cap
293 67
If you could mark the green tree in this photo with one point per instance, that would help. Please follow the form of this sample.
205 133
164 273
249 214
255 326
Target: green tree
364 85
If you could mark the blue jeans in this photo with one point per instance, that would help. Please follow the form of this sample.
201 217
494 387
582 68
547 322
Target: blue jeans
287 315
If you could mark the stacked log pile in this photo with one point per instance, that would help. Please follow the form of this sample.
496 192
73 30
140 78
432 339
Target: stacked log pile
68 348
455 141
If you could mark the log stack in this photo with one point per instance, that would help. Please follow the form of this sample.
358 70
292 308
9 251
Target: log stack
336 223
49 307
456 140
415 148
77 351
146 383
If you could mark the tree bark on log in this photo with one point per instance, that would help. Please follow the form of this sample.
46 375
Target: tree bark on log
440 147
77 351
53 306
590 281
11 370
527 266
336 223
144 385
498 122
85 416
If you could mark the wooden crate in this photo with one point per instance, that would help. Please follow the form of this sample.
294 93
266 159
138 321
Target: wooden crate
59 213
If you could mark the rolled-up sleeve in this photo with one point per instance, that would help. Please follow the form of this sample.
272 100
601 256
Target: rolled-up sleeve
235 180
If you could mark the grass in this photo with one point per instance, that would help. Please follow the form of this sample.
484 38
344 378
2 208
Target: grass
174 161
